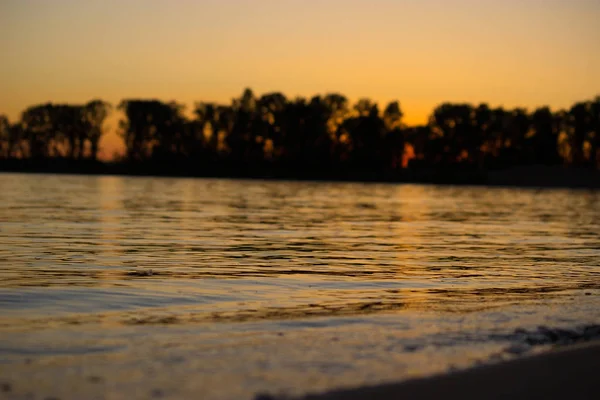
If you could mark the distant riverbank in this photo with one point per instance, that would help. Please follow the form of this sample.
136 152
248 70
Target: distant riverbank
520 176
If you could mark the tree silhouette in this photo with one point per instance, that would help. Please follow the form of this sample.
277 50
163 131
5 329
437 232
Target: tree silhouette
458 137
244 146
394 142
5 144
206 129
543 146
362 136
269 122
594 138
318 137
37 132
153 129
307 142
579 126
95 113
56 131
16 146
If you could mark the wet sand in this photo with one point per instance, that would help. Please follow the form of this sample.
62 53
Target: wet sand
567 373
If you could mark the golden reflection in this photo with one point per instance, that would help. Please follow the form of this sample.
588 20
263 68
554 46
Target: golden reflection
109 228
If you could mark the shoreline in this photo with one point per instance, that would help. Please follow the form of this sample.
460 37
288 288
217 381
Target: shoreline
569 372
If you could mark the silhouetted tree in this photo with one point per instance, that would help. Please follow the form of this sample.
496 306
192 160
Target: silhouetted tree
362 136
459 137
394 140
579 127
269 122
319 137
37 132
206 129
243 143
583 129
306 143
543 146
4 137
95 113
153 129
594 138
58 130
428 145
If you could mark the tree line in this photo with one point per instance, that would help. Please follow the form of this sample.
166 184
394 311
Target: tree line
55 131
308 137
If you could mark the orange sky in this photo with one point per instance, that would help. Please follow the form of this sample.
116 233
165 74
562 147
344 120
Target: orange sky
422 52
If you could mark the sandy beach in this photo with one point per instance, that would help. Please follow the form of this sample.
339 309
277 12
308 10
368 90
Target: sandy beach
566 373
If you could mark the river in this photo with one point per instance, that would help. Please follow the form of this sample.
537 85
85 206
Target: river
137 287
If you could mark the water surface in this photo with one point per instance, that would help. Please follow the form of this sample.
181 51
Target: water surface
127 287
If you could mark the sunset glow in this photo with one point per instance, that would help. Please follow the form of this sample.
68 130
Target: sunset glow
511 53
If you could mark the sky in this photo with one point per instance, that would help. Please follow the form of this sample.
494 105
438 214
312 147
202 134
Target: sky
421 52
